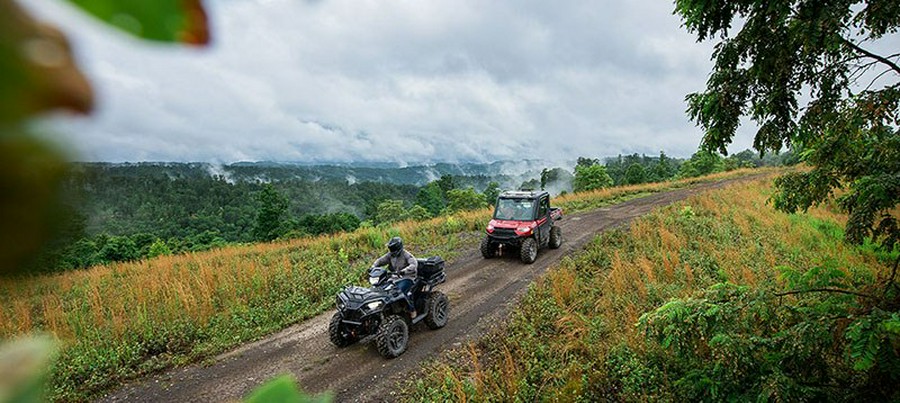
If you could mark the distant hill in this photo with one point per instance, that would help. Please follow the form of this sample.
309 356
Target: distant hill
119 211
266 171
127 211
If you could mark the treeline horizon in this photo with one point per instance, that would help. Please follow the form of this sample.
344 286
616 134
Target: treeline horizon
113 212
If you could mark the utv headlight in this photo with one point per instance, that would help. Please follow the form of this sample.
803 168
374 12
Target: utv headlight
374 304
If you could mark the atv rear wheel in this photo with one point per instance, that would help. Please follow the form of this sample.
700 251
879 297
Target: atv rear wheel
555 237
488 249
438 309
529 250
393 336
337 332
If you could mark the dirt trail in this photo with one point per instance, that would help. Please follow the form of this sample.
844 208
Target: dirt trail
481 292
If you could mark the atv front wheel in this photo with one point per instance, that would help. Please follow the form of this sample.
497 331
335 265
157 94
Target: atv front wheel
555 237
337 332
488 250
438 309
529 250
393 336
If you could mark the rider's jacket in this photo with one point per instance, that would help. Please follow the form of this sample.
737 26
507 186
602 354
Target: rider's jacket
403 265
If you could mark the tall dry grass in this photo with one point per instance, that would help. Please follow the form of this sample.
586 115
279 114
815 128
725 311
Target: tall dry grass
578 322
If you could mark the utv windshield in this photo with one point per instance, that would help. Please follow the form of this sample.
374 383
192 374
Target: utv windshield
514 209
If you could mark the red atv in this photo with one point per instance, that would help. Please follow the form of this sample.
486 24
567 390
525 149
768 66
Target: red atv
523 221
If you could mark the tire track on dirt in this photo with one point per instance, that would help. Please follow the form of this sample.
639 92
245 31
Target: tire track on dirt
481 292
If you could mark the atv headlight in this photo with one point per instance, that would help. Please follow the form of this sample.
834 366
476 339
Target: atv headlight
373 280
374 304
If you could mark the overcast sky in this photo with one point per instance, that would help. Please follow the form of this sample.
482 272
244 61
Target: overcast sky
405 81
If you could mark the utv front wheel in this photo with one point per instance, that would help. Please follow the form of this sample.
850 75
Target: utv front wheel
488 250
529 250
393 336
555 237
438 309
337 332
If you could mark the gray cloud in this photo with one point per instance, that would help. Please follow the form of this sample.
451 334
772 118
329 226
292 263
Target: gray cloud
405 81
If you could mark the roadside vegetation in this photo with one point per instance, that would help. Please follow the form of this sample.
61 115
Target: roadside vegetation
715 298
119 321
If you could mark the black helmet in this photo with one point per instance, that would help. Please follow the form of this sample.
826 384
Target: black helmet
395 245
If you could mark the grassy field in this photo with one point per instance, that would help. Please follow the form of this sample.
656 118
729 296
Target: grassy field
694 302
121 321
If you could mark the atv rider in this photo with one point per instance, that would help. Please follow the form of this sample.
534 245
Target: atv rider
403 265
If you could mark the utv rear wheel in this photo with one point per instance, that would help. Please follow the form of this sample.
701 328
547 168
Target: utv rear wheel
438 309
555 237
393 336
337 332
529 250
488 249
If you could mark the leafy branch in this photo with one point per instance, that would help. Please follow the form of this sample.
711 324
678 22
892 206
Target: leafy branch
867 53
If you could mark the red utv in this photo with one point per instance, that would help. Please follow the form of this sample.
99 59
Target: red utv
523 221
